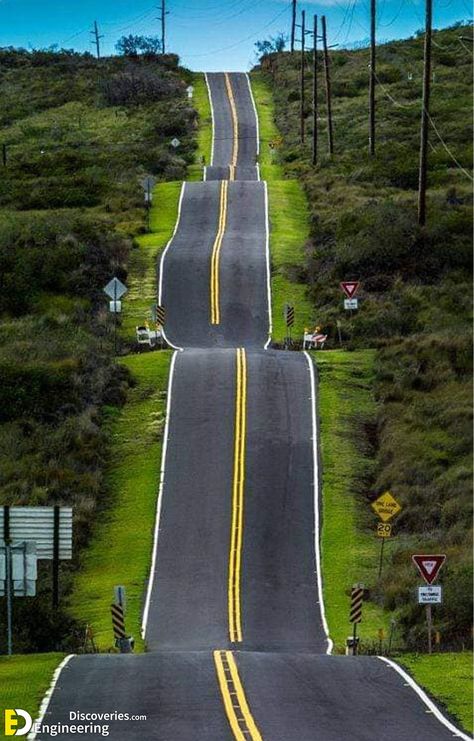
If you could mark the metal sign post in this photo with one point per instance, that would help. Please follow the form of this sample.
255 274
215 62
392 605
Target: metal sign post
429 565
8 584
115 289
386 507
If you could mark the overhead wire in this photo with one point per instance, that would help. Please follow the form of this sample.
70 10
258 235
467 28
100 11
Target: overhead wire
241 41
409 105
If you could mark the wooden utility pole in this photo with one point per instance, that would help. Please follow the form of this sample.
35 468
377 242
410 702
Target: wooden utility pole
315 89
372 80
425 114
303 33
328 88
293 25
162 18
97 38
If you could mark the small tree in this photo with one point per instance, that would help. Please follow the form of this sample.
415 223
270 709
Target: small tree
273 45
133 46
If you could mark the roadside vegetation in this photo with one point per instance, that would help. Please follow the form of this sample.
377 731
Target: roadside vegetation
80 135
121 545
447 676
414 300
24 681
202 105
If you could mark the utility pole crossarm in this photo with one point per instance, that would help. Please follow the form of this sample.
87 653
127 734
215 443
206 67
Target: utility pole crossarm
96 39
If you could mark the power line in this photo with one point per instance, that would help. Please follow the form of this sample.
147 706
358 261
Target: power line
432 123
241 41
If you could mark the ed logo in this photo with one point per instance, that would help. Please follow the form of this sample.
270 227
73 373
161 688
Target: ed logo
11 722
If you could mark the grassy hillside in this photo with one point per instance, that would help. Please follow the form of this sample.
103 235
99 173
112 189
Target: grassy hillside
414 301
80 135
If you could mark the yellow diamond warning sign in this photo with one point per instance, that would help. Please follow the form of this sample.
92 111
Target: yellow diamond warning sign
386 507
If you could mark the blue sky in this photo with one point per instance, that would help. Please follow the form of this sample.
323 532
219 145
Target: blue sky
208 34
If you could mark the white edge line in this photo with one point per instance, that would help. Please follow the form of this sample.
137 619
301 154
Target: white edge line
257 126
160 497
425 699
317 545
49 693
162 260
267 252
212 117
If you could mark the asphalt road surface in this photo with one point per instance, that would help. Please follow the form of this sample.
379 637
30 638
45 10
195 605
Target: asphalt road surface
234 623
242 263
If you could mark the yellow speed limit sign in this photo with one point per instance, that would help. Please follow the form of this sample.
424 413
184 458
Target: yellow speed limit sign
384 530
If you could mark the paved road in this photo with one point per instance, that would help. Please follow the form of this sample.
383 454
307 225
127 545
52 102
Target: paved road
241 261
234 626
235 143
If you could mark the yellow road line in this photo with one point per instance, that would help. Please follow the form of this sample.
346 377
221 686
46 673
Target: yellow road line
235 702
238 484
235 127
216 249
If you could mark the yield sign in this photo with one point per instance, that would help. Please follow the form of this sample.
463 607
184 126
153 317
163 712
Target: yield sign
350 288
429 566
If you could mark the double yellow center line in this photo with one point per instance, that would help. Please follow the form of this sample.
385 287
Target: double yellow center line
235 703
235 127
215 256
237 525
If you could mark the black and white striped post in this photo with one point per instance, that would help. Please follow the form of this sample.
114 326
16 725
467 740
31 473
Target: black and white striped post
289 315
355 615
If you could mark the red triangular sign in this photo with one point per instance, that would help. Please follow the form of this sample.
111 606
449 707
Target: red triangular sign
429 566
350 287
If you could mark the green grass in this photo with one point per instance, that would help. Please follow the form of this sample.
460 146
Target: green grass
349 554
270 169
23 681
121 547
448 677
289 223
204 134
289 229
144 257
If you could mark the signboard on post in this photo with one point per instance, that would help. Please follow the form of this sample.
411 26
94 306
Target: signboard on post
350 288
24 570
384 530
115 289
430 595
37 524
386 506
351 304
429 566
175 143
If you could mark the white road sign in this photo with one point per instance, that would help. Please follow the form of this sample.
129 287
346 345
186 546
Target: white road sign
350 304
37 524
175 143
190 91
115 289
429 595
24 570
